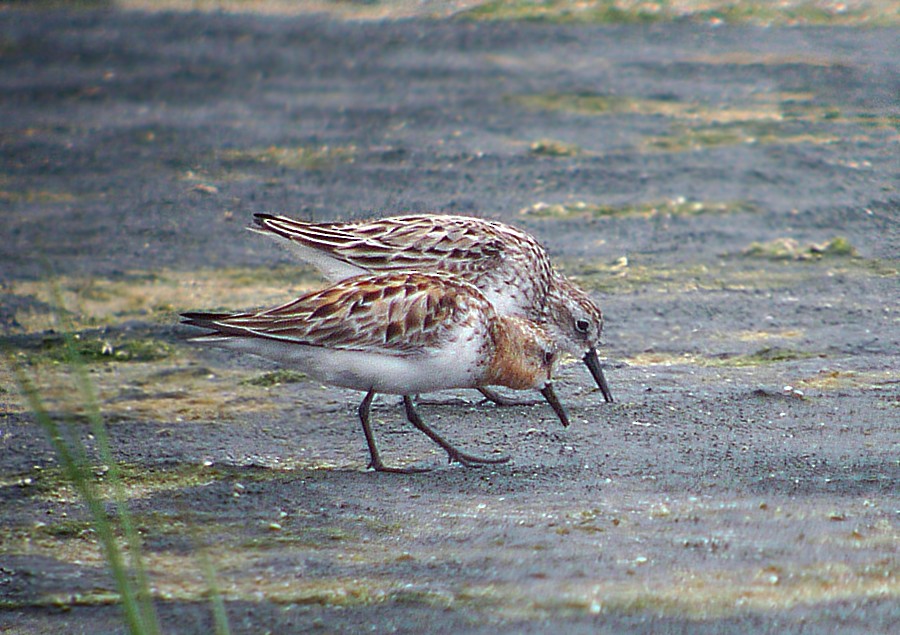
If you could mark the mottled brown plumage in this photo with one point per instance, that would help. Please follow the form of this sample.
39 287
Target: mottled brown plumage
508 265
401 333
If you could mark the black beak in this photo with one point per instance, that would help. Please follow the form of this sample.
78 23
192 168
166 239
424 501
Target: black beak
590 360
550 396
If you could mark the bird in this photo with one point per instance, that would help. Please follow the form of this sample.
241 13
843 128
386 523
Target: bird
400 333
508 265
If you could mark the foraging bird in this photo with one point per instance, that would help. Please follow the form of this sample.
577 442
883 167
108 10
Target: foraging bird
400 333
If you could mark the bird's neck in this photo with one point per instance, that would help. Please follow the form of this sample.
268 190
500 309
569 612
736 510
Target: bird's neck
508 365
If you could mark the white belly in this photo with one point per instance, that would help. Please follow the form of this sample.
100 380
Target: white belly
452 367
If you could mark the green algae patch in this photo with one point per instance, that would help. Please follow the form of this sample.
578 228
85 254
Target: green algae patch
719 594
624 275
878 267
139 481
764 110
554 148
159 296
791 12
765 119
669 207
97 349
790 249
766 355
276 378
844 379
67 529
66 601
308 537
762 115
44 197
767 266
687 139
169 390
758 336
294 158
761 357
564 11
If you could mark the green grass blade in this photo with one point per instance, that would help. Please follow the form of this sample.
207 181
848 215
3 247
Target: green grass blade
74 463
220 616
88 394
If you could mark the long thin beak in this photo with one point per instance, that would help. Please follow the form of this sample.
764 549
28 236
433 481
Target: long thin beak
550 396
590 360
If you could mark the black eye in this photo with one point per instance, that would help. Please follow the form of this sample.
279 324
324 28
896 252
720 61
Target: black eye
582 326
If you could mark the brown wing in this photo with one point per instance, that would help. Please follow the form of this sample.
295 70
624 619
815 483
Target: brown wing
388 313
467 247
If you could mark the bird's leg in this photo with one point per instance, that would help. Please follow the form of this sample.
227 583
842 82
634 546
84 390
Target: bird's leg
468 460
375 461
374 456
500 400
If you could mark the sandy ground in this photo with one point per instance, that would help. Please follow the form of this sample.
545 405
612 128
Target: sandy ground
693 178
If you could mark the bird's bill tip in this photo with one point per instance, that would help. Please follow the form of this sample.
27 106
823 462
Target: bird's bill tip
591 360
550 395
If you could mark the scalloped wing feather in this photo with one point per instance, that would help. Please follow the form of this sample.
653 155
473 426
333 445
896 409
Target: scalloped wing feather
471 248
388 314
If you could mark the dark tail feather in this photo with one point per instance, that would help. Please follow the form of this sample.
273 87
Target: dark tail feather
261 218
219 325
204 320
316 235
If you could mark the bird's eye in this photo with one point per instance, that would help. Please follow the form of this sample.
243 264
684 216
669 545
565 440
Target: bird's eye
582 325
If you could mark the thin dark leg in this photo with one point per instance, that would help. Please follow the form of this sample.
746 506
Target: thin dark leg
374 456
375 461
469 460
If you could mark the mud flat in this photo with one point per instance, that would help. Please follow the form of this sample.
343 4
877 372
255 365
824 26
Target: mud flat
728 194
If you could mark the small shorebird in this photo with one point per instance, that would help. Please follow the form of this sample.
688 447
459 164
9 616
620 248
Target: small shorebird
399 333
508 265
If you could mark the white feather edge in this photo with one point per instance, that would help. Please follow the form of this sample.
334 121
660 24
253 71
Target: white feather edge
332 268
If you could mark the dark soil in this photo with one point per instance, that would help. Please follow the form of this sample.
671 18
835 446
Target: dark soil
745 480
